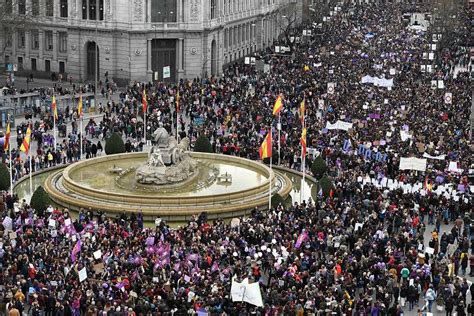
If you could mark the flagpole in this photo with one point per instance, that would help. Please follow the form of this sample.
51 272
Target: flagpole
10 156
279 136
31 171
303 164
144 125
177 123
80 138
11 170
270 187
54 129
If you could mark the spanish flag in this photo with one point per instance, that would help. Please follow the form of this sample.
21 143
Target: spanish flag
303 141
278 105
144 101
427 185
177 100
6 144
302 110
265 149
54 108
25 146
79 106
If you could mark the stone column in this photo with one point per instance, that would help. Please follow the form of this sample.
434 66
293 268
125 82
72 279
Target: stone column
55 45
179 11
28 6
56 7
149 55
180 56
27 44
14 45
148 11
41 44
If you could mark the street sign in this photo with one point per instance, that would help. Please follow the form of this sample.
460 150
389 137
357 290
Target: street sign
166 72
156 75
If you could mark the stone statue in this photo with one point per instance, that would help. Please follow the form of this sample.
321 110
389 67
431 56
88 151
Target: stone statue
161 137
168 161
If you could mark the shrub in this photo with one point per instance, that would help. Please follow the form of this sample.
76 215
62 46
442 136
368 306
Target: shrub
4 177
40 200
319 167
114 145
326 185
276 200
274 158
202 145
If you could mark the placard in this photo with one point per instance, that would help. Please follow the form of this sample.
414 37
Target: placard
98 254
82 274
429 250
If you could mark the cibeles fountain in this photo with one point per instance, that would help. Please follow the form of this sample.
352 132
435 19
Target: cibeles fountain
168 181
168 162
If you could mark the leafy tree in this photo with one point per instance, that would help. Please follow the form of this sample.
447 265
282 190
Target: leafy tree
16 16
276 200
202 144
40 200
274 158
326 185
319 167
114 145
4 178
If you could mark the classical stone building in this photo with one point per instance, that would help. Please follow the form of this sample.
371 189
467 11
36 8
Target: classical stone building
142 39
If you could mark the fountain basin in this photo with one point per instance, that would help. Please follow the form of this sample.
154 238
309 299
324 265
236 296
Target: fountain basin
90 184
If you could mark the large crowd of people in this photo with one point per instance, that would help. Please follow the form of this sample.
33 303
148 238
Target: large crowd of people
361 251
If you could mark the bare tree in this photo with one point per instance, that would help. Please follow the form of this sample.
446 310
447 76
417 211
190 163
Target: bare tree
447 20
289 17
15 15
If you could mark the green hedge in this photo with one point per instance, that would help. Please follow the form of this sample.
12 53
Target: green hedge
274 157
203 145
40 200
4 178
326 185
114 145
319 167
276 200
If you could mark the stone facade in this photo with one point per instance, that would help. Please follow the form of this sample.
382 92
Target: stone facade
203 36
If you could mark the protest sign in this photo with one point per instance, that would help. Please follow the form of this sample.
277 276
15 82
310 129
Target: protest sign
412 163
82 274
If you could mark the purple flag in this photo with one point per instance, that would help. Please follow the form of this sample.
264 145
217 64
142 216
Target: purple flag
193 257
202 312
215 267
150 241
76 250
301 238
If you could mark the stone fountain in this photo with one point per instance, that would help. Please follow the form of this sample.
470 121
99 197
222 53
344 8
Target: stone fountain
168 162
167 182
